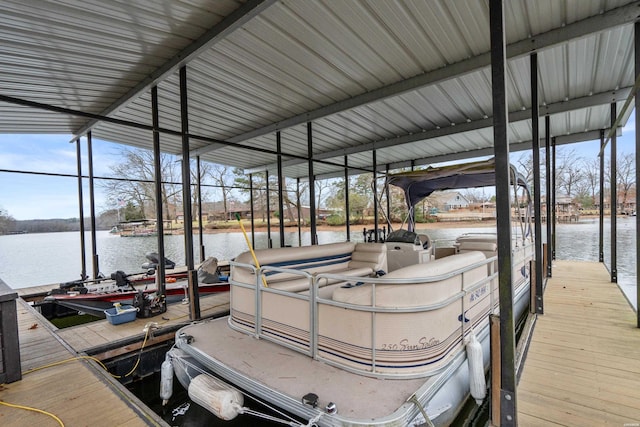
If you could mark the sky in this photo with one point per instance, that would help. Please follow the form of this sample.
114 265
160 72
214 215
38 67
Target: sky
25 196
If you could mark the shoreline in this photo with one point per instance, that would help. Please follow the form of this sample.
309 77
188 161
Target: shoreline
449 223
359 227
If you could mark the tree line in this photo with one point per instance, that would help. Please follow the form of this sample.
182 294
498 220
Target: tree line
578 177
130 190
9 225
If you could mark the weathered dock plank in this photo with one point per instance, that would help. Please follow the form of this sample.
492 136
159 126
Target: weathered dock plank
76 391
90 335
583 363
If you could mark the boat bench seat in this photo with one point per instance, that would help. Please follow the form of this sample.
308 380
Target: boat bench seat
487 243
401 340
346 259
412 295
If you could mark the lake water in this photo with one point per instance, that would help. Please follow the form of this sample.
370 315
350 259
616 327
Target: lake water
36 259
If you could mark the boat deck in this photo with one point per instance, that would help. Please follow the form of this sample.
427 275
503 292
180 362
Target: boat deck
79 392
265 363
583 363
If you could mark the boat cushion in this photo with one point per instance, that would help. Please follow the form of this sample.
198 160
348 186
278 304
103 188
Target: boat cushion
409 295
347 258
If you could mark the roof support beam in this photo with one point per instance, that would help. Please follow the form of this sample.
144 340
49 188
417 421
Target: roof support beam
616 17
482 152
218 32
515 116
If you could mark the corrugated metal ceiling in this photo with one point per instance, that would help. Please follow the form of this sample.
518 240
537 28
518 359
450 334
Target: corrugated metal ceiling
410 79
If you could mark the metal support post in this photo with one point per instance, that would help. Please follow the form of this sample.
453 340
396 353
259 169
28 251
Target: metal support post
508 412
200 221
375 197
412 222
636 29
537 211
548 181
157 167
614 195
251 203
92 210
269 240
83 258
388 196
298 209
347 210
194 295
601 213
312 186
553 198
281 188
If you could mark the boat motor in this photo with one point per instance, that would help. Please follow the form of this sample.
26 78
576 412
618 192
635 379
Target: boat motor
154 261
149 304
121 278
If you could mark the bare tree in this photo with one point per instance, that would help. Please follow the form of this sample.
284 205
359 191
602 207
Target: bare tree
223 179
321 185
7 222
134 181
525 167
204 172
591 177
569 173
626 179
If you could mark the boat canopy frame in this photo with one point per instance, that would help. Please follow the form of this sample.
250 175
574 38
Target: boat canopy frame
419 184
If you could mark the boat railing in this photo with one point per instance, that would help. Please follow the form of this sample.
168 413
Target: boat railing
315 301
373 308
262 287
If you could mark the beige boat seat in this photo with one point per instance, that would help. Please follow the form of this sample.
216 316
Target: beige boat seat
411 295
347 259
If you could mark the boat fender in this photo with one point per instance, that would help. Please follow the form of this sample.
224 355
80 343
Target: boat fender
477 384
215 396
166 380
310 399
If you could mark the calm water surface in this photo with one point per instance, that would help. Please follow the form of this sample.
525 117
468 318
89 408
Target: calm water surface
37 259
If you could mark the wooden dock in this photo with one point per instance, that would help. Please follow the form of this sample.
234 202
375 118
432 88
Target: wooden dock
80 392
582 366
583 363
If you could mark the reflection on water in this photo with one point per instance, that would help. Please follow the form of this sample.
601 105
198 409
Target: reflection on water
37 259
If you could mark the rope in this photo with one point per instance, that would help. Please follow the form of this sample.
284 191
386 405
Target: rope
61 362
413 399
27 408
257 414
50 365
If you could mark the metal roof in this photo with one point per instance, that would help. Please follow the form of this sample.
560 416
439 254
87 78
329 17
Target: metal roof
408 79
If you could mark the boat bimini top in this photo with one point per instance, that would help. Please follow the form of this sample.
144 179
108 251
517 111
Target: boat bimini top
419 184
